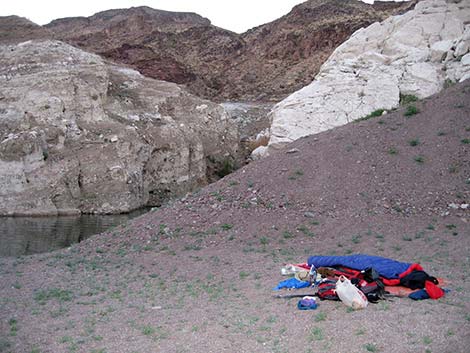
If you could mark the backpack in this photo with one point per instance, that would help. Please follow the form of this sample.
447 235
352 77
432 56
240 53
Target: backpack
327 290
374 291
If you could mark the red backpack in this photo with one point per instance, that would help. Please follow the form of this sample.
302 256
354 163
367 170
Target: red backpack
327 290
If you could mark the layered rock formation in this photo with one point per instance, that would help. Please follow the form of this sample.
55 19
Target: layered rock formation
80 135
265 63
417 53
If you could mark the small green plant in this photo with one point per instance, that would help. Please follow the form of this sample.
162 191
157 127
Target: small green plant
264 241
320 317
411 110
392 151
465 141
427 340
441 133
414 142
407 98
370 347
316 334
65 339
13 326
148 330
62 295
4 345
302 228
419 159
430 227
374 114
226 168
356 239
360 331
193 247
298 173
243 274
287 235
226 226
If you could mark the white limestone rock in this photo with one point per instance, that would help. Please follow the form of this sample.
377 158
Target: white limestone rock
414 53
81 135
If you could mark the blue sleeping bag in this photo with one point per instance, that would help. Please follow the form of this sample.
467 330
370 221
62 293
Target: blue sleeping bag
387 268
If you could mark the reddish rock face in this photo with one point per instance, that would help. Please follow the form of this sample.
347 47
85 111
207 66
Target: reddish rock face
266 63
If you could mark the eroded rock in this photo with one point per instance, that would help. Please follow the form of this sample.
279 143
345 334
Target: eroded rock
80 135
412 54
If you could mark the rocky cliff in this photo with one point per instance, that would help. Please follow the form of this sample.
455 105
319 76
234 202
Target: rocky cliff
417 54
265 63
80 135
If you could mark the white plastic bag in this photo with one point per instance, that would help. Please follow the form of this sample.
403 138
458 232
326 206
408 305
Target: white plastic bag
349 294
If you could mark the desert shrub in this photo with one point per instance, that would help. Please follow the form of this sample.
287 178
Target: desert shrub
374 114
411 110
226 168
407 98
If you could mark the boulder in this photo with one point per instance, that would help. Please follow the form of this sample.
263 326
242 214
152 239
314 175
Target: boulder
416 53
79 135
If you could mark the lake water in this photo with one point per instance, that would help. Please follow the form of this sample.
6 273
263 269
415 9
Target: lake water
32 235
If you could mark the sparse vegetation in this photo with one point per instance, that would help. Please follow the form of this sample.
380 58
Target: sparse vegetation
226 226
407 98
419 159
414 142
427 340
62 295
411 110
13 326
374 114
370 347
226 167
316 334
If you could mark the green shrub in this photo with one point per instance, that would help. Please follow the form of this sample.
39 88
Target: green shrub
374 114
226 168
411 110
407 98
419 159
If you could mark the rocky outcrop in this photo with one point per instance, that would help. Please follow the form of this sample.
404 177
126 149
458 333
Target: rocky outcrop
14 29
80 135
266 63
417 53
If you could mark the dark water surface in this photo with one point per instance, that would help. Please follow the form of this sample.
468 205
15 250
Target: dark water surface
32 235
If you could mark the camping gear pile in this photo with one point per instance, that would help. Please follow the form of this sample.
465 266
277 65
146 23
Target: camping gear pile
357 280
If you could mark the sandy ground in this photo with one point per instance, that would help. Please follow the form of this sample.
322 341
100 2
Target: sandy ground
197 275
